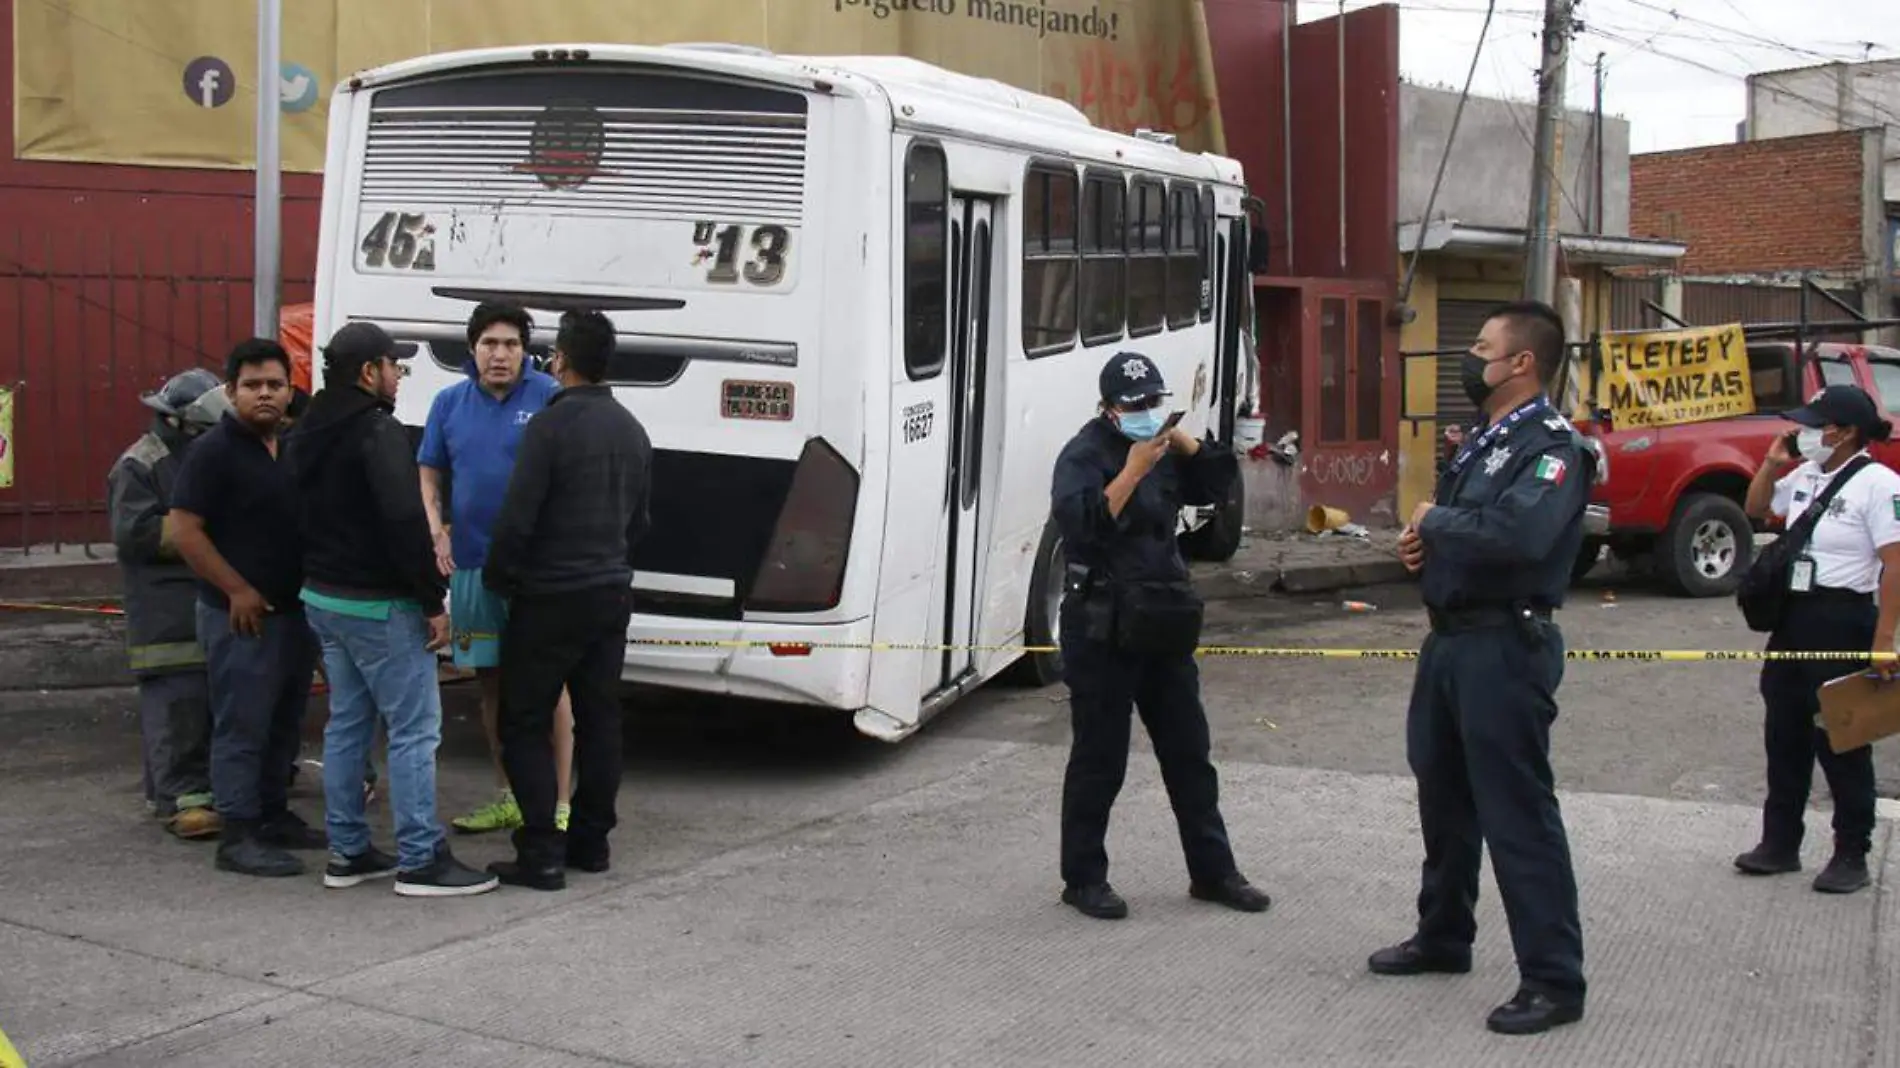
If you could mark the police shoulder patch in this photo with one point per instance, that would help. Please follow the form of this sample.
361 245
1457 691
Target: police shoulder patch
1550 469
1896 506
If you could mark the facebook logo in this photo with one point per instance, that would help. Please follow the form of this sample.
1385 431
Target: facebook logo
209 82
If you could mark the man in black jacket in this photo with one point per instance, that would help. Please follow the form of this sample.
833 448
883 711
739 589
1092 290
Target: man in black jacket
562 551
374 597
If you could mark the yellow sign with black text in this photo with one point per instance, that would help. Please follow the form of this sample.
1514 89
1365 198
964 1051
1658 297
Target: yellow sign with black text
175 82
6 439
1674 376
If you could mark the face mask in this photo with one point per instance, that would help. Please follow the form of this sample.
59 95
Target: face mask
1811 444
1471 374
1142 425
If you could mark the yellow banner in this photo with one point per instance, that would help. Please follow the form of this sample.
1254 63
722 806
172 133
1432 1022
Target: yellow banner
1675 376
6 446
175 82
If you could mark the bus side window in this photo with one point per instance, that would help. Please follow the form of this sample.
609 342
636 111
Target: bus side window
1104 268
1147 258
1049 261
926 260
1186 257
1208 254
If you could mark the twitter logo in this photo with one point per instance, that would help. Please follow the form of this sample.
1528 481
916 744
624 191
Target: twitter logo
297 88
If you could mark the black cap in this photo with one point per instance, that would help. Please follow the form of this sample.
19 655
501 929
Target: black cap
362 342
1129 377
1847 406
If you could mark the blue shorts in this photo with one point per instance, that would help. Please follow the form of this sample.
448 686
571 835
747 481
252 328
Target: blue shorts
476 618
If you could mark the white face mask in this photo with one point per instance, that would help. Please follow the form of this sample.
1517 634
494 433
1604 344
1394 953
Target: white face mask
1811 445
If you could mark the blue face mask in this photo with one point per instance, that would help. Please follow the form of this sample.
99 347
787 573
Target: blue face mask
1142 425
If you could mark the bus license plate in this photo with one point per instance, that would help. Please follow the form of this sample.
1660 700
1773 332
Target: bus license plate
757 400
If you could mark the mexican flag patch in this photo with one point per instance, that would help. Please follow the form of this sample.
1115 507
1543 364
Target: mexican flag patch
1551 469
1896 507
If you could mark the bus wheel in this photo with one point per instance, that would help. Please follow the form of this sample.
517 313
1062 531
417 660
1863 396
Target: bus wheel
1042 618
1218 539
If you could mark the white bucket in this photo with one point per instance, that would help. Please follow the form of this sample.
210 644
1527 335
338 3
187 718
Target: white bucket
1249 431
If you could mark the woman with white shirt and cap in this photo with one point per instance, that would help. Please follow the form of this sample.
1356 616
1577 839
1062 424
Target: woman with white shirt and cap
1843 594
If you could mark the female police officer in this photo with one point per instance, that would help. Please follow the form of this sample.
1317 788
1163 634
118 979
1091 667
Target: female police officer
1130 623
1853 550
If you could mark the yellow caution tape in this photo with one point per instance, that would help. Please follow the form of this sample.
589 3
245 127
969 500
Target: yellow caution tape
1677 656
1266 652
10 1057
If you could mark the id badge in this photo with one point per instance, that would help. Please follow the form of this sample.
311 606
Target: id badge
1801 576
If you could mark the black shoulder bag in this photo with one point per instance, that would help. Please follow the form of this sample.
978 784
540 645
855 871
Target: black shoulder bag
1763 592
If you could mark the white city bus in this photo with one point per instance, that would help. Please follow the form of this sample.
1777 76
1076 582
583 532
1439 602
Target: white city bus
861 304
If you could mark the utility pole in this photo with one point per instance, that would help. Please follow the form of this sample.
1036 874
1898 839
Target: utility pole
1540 263
1596 138
269 229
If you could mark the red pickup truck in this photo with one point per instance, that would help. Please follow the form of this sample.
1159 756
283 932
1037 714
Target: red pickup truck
1674 494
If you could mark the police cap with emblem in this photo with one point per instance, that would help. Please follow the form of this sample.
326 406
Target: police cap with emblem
1130 378
1846 406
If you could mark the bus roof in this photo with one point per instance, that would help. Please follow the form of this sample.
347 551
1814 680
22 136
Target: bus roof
921 95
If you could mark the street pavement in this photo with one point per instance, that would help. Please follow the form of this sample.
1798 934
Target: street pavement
785 893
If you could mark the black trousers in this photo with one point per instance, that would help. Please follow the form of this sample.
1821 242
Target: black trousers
1794 738
577 640
1477 736
1105 685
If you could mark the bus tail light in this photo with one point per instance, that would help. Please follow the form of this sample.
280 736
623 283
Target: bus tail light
803 566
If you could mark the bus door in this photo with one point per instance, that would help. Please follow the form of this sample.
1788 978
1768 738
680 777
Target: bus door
955 594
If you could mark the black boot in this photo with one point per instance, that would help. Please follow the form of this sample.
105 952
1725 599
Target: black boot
1766 859
1845 873
1096 899
539 864
240 850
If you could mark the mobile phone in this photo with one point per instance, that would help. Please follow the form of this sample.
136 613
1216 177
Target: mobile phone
1791 441
1173 421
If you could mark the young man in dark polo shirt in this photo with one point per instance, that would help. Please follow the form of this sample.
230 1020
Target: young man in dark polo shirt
235 515
562 552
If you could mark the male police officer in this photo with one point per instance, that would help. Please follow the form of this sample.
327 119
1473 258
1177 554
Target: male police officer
161 597
1130 624
1496 558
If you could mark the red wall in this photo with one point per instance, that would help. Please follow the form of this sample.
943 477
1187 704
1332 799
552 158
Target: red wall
112 279
1786 204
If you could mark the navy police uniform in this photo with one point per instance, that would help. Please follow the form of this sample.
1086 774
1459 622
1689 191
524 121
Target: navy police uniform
1130 622
1498 552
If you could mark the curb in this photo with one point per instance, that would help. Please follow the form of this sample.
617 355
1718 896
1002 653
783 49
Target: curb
1228 585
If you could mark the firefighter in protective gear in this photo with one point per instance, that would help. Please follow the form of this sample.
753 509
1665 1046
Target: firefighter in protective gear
160 599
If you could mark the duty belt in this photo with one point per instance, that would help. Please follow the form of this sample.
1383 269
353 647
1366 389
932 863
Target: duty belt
1472 617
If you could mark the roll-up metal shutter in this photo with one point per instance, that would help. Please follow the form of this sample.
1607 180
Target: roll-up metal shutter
1459 322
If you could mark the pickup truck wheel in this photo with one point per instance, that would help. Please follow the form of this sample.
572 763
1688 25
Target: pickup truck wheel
1587 557
1707 546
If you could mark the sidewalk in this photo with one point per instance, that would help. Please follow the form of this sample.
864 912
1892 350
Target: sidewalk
1288 562
922 928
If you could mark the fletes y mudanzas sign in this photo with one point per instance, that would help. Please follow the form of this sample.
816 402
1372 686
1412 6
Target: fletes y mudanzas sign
1675 376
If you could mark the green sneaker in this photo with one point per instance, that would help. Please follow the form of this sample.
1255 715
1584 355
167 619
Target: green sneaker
502 814
560 817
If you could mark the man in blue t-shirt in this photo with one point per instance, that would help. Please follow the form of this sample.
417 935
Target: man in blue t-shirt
469 442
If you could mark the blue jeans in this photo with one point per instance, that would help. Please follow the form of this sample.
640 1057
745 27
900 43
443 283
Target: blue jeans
380 668
259 689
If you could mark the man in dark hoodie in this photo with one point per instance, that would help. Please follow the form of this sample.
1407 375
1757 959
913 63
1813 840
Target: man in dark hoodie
375 599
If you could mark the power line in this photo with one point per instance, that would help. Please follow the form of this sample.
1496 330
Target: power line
1444 157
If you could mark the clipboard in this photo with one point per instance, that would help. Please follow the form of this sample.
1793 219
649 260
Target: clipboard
1858 710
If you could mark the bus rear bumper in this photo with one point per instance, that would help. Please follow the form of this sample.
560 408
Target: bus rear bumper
758 661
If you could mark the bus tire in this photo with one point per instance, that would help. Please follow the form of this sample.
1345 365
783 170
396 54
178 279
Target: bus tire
1042 615
1218 539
